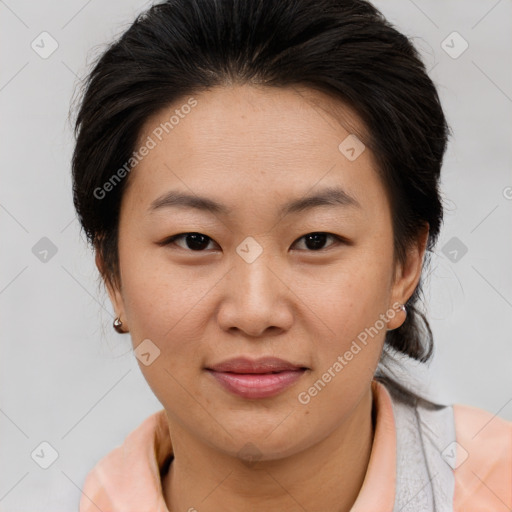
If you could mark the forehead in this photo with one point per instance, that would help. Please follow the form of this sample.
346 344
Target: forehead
246 114
251 141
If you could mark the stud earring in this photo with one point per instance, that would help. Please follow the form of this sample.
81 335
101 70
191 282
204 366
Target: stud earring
118 325
404 309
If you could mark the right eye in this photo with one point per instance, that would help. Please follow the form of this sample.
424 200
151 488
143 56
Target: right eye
193 241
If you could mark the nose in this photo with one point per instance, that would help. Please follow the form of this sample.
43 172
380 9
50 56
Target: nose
256 299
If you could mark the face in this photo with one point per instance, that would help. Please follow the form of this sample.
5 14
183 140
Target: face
264 273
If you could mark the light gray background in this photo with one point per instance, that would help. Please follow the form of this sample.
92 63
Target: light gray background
67 378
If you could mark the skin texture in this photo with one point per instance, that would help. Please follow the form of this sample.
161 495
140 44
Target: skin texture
253 149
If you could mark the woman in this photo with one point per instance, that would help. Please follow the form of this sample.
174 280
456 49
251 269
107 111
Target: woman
259 180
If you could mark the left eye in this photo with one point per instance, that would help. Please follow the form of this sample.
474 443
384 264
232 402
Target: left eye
316 241
198 242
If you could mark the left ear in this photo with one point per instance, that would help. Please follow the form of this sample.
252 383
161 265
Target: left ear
408 273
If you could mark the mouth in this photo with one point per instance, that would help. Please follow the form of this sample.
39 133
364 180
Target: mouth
260 378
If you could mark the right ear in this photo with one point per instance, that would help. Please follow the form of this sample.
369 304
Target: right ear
113 291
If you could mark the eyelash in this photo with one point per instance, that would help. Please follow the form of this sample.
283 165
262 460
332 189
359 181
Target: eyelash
338 239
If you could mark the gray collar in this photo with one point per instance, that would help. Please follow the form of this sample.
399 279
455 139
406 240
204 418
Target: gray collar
425 457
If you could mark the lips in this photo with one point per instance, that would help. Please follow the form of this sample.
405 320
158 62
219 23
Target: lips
256 378
262 365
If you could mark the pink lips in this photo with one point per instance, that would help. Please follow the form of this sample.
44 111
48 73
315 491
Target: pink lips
256 378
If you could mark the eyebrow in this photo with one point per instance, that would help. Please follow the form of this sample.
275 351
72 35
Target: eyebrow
328 197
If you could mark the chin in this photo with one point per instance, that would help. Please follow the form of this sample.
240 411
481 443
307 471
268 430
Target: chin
255 444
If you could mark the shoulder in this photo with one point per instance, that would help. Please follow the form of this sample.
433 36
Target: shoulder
476 444
127 478
483 463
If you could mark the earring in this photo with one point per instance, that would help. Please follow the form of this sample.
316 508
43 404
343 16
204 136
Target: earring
118 325
404 309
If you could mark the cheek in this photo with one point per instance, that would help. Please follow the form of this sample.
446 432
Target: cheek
162 301
166 309
160 305
352 338
352 302
163 304
352 295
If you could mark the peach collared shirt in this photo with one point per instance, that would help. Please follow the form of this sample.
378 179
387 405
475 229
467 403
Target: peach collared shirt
128 478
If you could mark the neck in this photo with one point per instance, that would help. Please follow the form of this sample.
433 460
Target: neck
326 476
